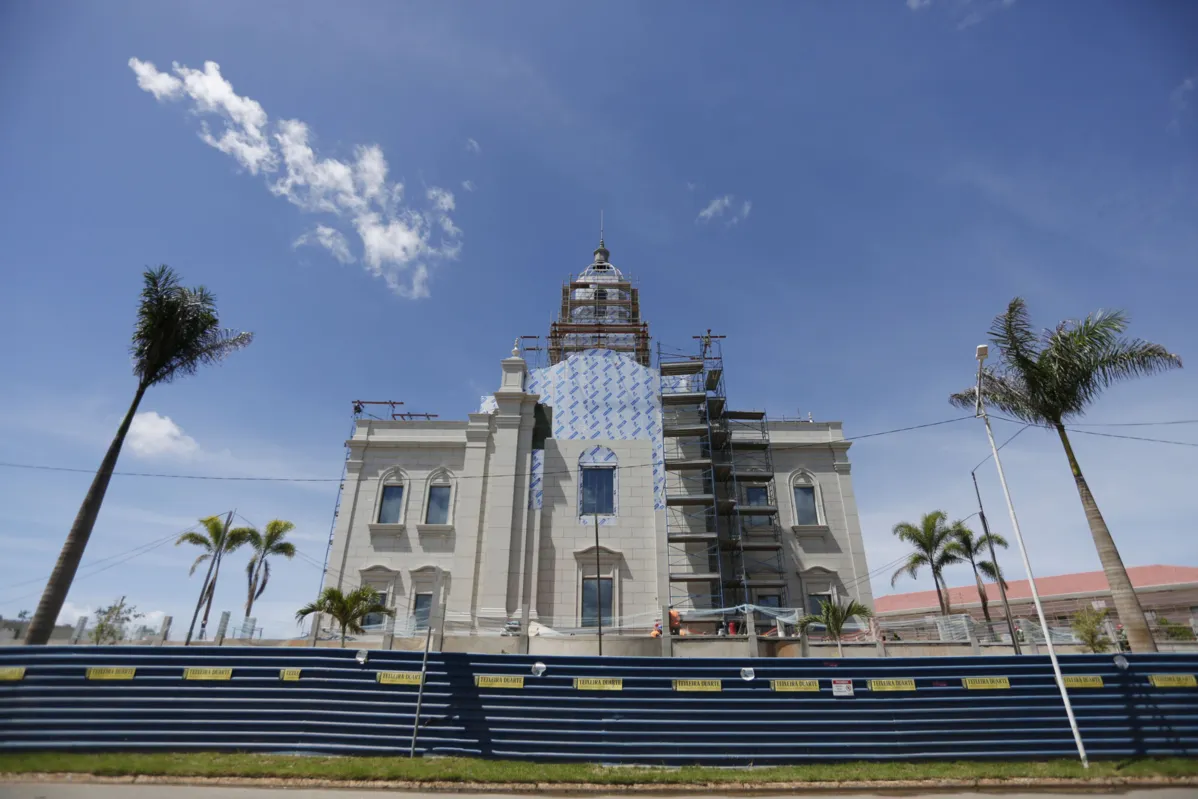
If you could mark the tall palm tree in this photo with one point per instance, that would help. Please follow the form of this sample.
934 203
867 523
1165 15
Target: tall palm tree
177 332
929 540
1050 379
973 551
832 617
265 544
349 610
215 543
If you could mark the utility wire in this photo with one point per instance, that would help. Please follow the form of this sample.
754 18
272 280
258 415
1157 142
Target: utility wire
1008 441
813 444
125 556
1073 429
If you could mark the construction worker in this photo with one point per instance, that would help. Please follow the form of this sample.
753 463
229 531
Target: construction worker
675 622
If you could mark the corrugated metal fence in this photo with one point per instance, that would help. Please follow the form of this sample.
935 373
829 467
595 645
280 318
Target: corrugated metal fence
615 710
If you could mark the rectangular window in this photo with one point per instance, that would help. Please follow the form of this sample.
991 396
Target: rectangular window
805 505
757 495
815 602
598 491
768 601
375 619
390 506
596 595
438 505
421 609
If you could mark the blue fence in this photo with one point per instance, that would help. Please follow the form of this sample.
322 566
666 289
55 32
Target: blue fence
624 710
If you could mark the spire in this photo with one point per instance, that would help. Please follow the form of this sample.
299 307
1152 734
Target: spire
601 253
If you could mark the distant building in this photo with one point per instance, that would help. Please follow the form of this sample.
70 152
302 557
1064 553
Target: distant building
1165 592
699 506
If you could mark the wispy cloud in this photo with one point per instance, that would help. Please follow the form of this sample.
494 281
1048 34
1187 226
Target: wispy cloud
720 206
468 185
966 13
154 436
329 238
473 147
398 240
1180 100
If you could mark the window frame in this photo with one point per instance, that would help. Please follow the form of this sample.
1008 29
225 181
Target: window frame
403 495
415 609
439 478
805 479
600 580
595 469
598 457
394 476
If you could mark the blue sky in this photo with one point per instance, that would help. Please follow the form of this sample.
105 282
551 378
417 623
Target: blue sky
878 180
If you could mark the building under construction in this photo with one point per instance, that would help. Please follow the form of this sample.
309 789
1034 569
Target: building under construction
599 487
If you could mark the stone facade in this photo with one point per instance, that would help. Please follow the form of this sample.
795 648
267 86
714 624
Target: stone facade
513 544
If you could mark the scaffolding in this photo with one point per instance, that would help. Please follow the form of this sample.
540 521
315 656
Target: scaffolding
600 310
722 532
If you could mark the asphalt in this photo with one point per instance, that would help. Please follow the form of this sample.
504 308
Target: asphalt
126 791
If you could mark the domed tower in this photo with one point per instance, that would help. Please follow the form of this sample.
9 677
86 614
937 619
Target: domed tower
600 310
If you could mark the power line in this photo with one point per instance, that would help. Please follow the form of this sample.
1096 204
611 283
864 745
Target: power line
813 444
1073 429
1008 441
136 552
1133 424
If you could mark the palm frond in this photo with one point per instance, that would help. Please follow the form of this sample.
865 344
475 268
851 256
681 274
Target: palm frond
237 538
1012 333
195 539
991 570
177 329
985 540
197 563
911 568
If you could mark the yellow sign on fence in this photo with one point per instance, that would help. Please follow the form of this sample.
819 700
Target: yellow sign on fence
398 677
598 684
289 675
985 683
207 674
12 673
111 673
499 681
1083 681
794 685
698 685
892 685
1173 680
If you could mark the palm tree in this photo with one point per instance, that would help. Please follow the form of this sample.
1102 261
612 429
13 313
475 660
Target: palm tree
177 332
349 610
215 543
257 571
1051 379
832 617
930 540
973 551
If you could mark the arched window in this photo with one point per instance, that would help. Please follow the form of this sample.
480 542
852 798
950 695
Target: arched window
439 497
392 496
808 504
598 484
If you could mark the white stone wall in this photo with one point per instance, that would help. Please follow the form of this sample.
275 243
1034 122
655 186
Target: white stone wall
829 556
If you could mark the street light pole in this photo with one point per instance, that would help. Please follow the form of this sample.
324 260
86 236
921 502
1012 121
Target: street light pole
1002 589
980 410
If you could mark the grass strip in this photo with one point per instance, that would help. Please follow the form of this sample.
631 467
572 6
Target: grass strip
467 770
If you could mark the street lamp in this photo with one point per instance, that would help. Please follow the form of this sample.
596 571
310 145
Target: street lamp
1002 589
980 411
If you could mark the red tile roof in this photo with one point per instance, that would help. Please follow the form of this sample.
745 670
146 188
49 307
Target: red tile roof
1060 585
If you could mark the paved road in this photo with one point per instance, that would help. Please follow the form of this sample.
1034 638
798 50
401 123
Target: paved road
64 791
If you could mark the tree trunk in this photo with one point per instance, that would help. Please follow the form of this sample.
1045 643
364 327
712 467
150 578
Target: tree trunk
343 635
1127 604
939 594
212 586
249 603
59 585
981 591
839 649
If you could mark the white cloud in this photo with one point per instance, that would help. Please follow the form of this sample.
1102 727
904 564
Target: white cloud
398 241
329 238
71 613
715 208
1180 99
472 146
916 5
153 436
159 84
722 205
468 185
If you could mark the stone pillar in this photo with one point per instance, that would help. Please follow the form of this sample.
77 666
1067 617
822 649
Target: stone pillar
388 631
469 519
219 638
80 627
667 640
751 630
